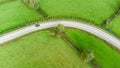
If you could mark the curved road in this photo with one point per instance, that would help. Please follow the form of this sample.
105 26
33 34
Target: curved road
88 28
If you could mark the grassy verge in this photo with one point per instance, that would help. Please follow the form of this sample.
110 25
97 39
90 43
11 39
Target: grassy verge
14 15
40 50
94 11
106 57
114 26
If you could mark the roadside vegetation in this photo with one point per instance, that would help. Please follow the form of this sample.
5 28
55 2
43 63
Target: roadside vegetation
14 15
91 10
114 26
40 50
105 56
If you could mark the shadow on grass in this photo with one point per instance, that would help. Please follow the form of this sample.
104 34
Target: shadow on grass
43 13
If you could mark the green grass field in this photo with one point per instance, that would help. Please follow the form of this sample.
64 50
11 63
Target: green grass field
5 0
106 57
114 26
1 0
40 50
96 11
14 15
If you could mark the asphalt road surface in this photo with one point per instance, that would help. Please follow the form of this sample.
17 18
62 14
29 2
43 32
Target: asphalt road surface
78 25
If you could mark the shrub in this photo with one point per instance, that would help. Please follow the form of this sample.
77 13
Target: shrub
89 56
59 29
34 4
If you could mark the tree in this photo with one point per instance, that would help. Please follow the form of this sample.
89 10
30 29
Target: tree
34 4
59 29
89 56
26 1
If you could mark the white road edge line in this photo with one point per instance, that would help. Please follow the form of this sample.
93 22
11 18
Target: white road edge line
78 25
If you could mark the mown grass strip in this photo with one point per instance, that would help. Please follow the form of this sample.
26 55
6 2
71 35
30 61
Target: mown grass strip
114 26
106 57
